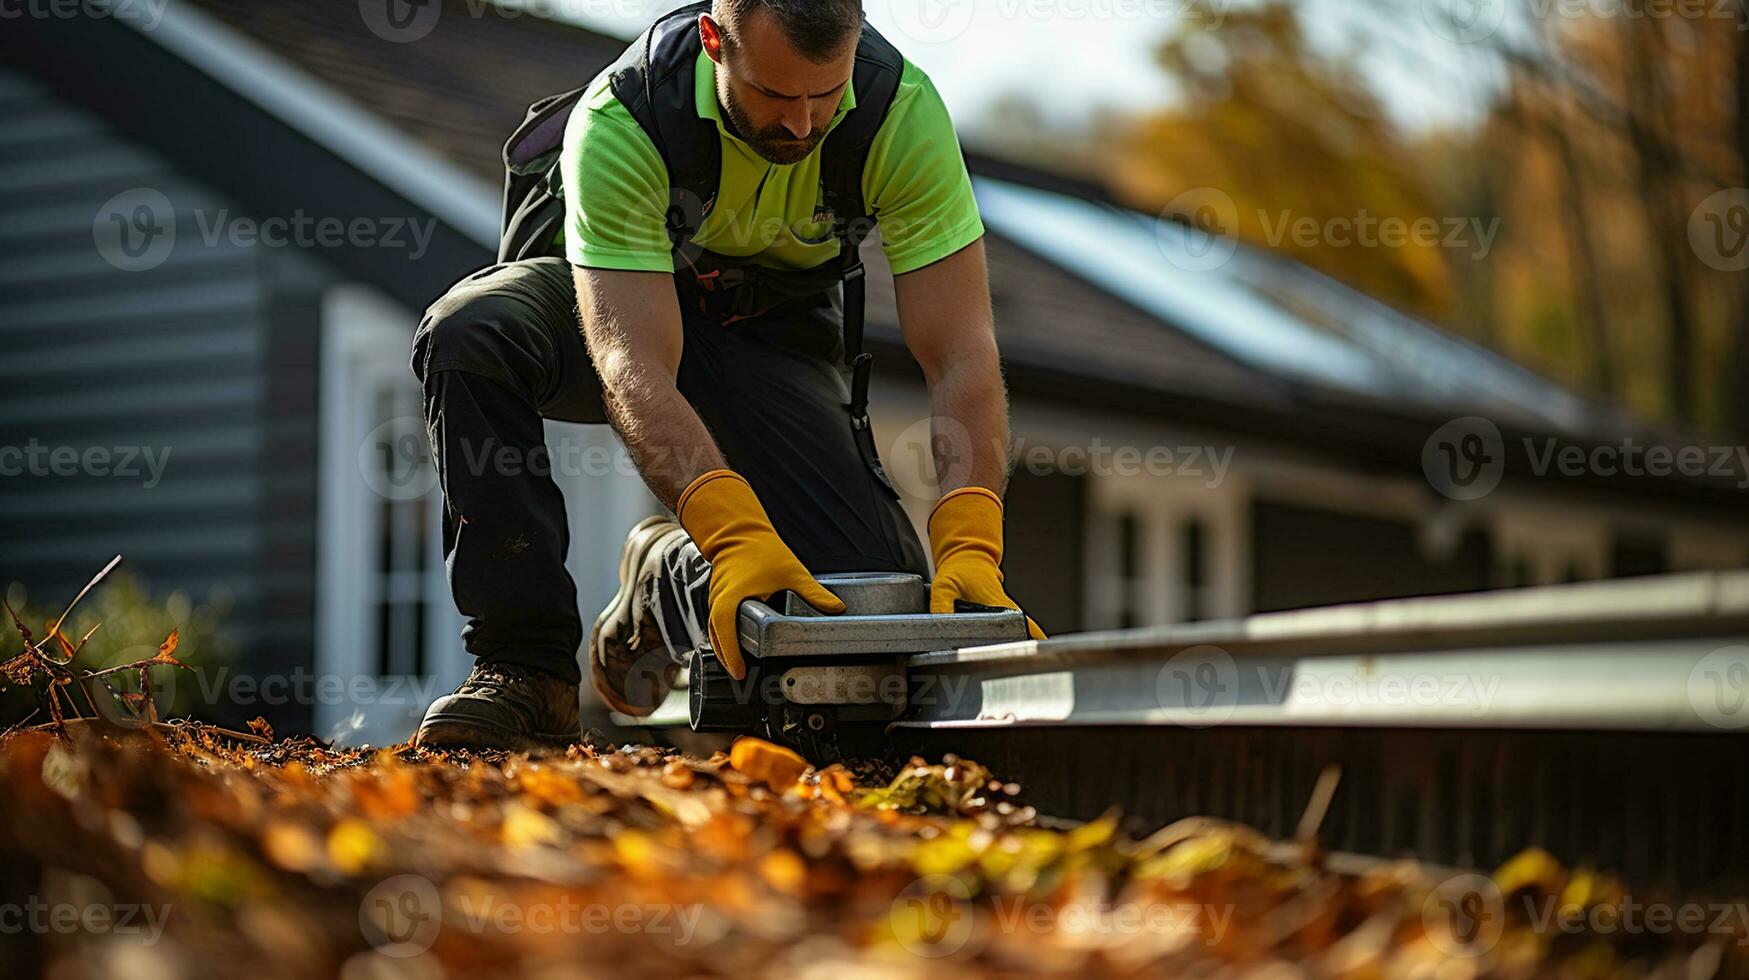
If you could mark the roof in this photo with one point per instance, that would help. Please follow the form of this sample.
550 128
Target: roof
1275 315
1095 304
464 83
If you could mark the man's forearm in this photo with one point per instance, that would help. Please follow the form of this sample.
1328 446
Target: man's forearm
632 327
970 428
668 442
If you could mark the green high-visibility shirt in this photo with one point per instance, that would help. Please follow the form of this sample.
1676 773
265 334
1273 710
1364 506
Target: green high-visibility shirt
616 187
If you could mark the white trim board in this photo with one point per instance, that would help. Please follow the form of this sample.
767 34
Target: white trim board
462 201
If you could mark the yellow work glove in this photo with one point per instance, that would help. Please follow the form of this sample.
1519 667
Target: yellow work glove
748 559
965 534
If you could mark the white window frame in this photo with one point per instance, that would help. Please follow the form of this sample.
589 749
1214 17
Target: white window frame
366 345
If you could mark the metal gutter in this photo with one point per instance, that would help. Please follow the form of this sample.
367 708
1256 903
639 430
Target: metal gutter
1655 654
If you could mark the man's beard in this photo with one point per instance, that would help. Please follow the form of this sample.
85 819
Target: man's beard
774 143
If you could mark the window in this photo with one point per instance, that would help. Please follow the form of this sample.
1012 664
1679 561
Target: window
388 634
398 581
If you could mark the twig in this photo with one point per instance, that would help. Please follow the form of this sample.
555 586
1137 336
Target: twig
1318 805
136 665
22 629
82 592
8 732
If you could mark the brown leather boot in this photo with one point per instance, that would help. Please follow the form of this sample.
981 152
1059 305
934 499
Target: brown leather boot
504 706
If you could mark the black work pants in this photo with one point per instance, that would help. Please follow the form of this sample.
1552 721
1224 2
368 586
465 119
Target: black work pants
503 349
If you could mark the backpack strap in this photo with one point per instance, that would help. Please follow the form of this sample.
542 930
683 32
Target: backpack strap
843 158
533 205
655 80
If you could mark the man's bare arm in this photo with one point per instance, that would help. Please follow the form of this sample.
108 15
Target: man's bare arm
631 321
944 312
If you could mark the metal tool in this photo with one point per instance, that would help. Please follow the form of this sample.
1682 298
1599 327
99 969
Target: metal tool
828 686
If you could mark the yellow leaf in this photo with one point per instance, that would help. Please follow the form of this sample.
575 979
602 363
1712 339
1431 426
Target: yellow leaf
354 847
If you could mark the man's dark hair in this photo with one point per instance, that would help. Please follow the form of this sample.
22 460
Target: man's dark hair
819 29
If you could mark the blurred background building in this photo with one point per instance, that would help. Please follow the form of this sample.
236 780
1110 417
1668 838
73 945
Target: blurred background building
1220 407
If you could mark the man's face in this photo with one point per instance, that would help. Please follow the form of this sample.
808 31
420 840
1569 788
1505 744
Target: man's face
779 100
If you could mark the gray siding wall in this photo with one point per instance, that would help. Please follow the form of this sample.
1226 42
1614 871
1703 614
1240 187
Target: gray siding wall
209 357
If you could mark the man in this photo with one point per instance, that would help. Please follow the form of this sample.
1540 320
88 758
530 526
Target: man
712 334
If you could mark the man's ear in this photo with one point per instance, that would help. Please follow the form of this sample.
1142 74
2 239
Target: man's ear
710 33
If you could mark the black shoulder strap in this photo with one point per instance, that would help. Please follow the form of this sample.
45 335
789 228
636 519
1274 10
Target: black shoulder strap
843 158
654 80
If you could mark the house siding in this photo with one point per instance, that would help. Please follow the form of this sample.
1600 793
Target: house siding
208 357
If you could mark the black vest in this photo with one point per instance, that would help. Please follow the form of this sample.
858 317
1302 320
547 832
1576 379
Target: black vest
654 80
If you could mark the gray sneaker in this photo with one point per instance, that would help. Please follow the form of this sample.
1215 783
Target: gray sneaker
630 662
504 706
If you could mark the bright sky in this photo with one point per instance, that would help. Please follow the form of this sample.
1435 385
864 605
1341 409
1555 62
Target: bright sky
1070 55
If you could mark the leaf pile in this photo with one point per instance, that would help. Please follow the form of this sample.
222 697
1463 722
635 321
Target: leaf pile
294 859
